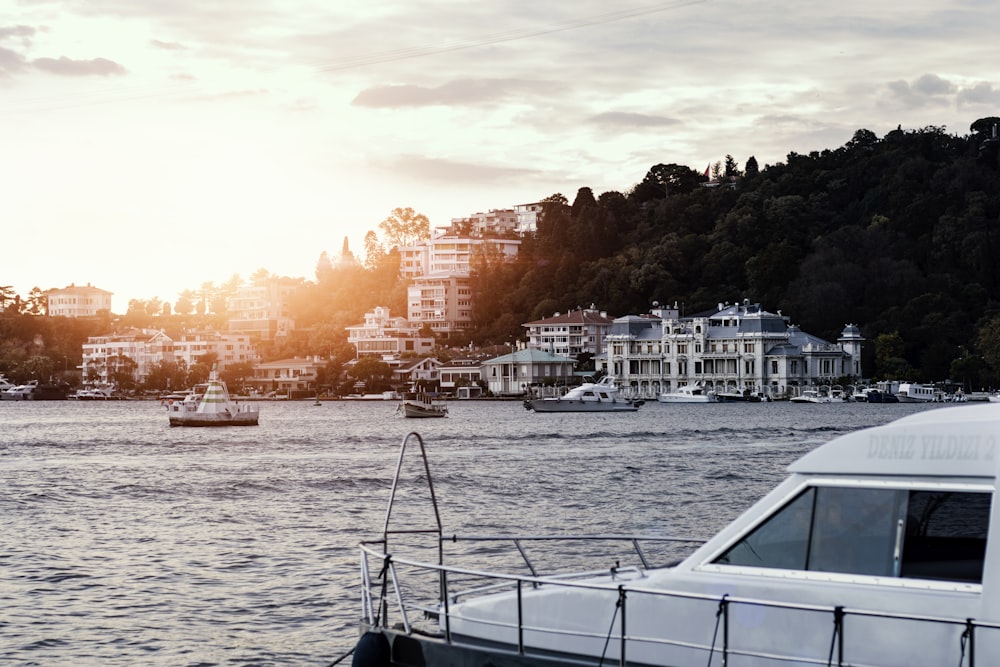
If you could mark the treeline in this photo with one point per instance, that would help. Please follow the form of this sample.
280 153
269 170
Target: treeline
898 234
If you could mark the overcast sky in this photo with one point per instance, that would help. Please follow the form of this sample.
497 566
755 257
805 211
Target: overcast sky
149 147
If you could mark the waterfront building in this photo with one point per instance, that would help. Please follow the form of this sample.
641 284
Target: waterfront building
462 377
74 301
381 335
294 377
140 349
571 334
514 374
734 348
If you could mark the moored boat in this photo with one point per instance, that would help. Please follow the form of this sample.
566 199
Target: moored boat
687 394
423 405
210 405
879 549
916 393
602 396
809 396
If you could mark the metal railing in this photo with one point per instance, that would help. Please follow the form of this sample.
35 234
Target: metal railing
724 644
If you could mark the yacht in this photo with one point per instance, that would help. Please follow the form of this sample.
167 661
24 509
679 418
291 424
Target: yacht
602 396
878 549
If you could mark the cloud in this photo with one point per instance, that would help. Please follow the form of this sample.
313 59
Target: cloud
981 93
167 46
458 92
10 62
64 66
451 172
25 32
926 89
625 119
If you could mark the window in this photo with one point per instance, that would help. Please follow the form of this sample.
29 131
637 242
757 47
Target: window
882 532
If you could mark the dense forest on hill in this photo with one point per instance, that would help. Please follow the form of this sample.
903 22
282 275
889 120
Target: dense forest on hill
899 235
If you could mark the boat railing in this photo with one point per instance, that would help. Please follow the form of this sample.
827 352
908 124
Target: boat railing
624 586
433 588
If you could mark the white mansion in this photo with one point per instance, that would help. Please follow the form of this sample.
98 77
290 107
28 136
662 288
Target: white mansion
735 348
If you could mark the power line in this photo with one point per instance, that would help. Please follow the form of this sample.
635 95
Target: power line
498 38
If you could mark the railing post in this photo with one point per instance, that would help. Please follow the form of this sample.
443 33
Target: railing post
520 621
447 610
621 603
838 624
970 631
725 630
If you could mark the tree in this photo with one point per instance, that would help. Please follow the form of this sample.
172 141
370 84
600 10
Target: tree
375 373
988 342
889 361
405 227
235 375
185 303
324 268
7 295
122 372
38 302
374 250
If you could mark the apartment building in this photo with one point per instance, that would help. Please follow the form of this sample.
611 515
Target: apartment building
381 334
570 334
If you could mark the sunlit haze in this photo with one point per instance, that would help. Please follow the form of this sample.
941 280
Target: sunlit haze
151 147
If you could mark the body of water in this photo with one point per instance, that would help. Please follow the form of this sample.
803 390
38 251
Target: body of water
126 542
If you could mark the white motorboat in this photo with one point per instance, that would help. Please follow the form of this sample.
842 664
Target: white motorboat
20 392
602 396
879 549
423 405
687 394
810 396
210 405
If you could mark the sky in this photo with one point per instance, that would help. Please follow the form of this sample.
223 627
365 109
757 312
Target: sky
150 147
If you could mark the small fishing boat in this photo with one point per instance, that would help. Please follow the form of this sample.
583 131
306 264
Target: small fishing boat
590 396
879 549
423 405
210 405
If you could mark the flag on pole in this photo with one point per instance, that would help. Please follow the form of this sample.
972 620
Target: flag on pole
709 166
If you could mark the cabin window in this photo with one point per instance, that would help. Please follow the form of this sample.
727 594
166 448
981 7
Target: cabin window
881 532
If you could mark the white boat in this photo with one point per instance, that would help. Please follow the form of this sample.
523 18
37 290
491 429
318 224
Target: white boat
602 396
98 393
20 392
916 393
423 405
210 405
810 396
879 549
687 394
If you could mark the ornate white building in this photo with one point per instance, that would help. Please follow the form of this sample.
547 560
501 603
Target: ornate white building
74 301
734 348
